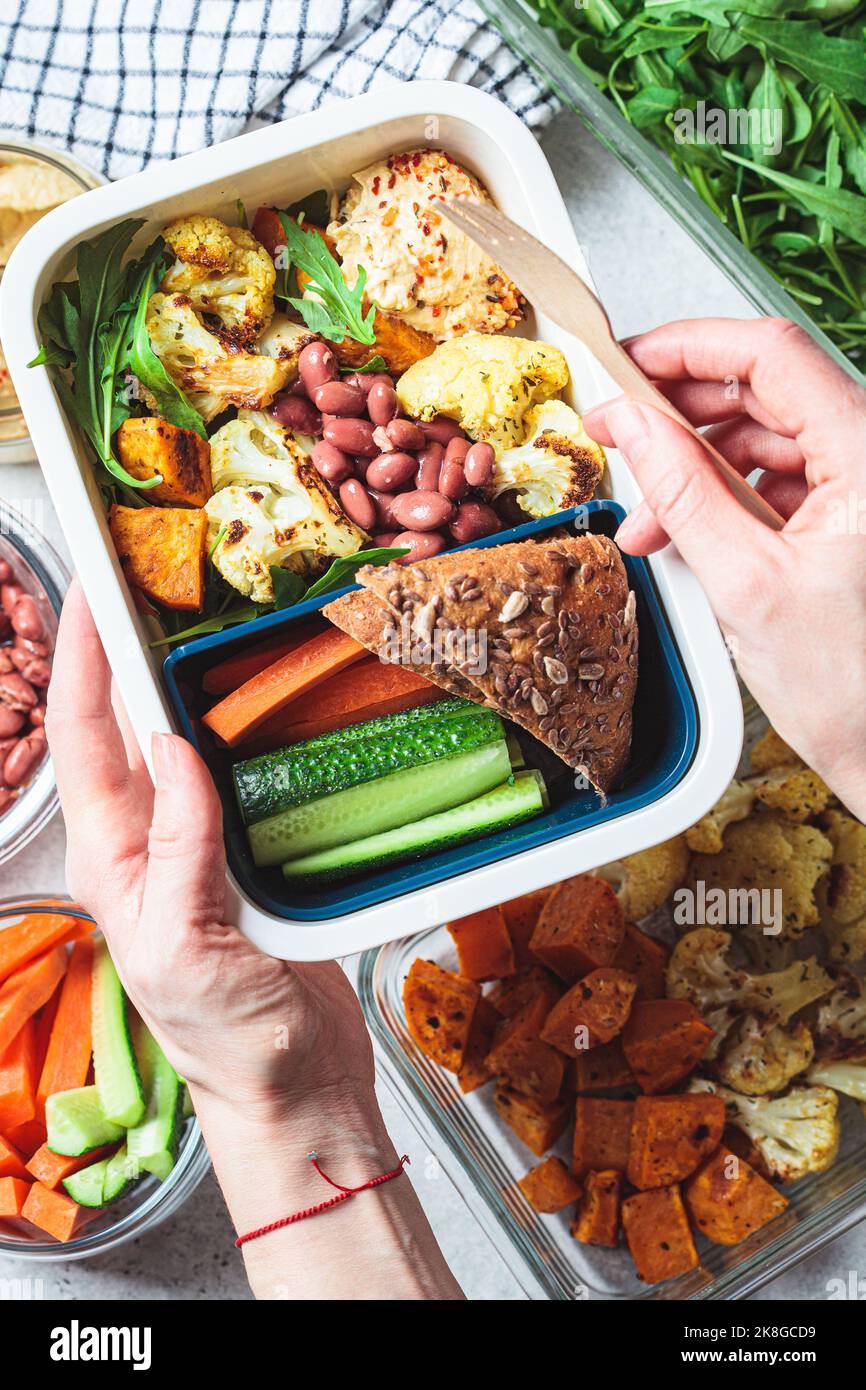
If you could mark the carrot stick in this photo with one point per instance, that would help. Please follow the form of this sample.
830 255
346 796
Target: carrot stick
18 1078
275 687
27 990
44 1026
50 1168
67 1060
35 934
235 670
54 1212
27 1138
11 1161
13 1195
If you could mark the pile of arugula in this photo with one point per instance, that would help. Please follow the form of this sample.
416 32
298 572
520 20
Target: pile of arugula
801 210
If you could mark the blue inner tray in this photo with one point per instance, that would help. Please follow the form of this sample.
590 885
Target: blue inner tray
663 745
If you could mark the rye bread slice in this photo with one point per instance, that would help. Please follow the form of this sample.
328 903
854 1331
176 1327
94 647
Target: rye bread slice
557 624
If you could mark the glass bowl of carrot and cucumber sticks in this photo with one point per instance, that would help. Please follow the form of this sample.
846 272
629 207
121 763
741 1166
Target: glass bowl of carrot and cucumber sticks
98 1142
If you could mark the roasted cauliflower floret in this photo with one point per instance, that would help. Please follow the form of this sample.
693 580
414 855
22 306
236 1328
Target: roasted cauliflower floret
212 373
707 836
559 466
843 893
644 881
270 508
795 1134
841 1026
794 789
486 382
225 273
699 970
762 1057
772 751
285 340
768 864
847 1076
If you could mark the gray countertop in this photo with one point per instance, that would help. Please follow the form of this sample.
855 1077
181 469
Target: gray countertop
648 272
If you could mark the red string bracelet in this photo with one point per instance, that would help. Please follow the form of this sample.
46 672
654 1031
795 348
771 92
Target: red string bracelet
343 1195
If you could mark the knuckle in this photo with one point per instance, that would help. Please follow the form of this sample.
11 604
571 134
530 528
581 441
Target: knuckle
782 332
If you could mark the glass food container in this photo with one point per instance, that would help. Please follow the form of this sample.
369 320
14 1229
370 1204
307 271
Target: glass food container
15 446
149 1201
540 48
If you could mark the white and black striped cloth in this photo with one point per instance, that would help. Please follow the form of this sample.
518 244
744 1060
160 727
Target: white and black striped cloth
121 83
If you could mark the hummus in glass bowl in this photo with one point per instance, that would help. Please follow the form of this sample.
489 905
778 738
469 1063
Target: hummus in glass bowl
33 180
420 268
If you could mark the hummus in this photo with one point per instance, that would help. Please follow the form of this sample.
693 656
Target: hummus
420 268
28 189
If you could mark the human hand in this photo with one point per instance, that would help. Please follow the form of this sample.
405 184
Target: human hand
149 864
792 604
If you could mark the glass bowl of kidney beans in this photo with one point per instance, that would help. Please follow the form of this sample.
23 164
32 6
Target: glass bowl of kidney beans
406 482
33 580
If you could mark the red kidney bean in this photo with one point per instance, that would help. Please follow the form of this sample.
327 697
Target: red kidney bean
12 721
456 449
442 429
38 734
358 504
363 381
23 759
34 648
478 464
422 511
27 620
316 365
380 379
9 596
37 672
352 436
382 403
452 480
403 434
331 462
37 716
385 538
16 692
390 471
339 398
423 545
429 467
5 571
296 413
7 659
474 520
383 502
7 796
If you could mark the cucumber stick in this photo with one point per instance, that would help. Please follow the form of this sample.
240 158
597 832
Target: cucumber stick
374 807
115 1068
103 1182
77 1123
387 724
275 781
153 1141
506 805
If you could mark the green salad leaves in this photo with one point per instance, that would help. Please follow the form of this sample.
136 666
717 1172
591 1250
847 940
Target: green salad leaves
337 312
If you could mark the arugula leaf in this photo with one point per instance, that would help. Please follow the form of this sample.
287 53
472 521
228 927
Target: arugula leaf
338 313
288 587
244 614
342 570
375 364
837 64
171 403
843 210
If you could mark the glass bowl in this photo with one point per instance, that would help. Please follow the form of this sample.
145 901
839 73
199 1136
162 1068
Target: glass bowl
40 570
15 446
149 1202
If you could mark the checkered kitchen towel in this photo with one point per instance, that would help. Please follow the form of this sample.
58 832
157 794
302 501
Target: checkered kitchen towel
121 83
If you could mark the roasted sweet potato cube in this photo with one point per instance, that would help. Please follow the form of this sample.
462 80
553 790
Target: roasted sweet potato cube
596 1221
727 1200
521 918
645 958
518 1054
484 947
474 1072
601 1135
581 927
536 1125
397 341
671 1136
148 446
162 551
592 1012
663 1040
736 1141
509 996
550 1186
439 1010
658 1234
602 1069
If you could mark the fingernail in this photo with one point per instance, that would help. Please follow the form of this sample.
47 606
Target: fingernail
628 527
162 753
628 428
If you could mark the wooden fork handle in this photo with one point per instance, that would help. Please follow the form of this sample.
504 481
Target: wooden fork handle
628 375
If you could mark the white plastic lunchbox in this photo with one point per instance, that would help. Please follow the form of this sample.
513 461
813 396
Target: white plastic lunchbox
285 162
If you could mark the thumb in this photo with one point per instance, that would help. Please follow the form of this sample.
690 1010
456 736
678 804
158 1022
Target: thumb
185 881
689 500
